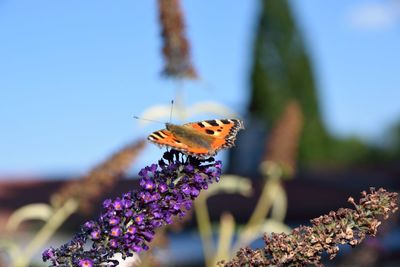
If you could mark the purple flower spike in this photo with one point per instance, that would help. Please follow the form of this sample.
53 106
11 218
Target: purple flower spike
162 187
132 230
136 248
139 219
127 203
113 243
189 168
86 263
128 213
118 204
107 203
95 234
116 231
147 184
114 221
48 254
194 192
186 189
128 224
90 224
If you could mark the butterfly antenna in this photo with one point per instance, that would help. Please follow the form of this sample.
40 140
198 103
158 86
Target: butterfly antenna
170 114
139 118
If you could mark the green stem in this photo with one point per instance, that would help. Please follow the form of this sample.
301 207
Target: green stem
204 225
226 233
45 233
279 205
12 249
261 210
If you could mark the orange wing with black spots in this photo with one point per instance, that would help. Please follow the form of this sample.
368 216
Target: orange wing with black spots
224 131
167 138
200 139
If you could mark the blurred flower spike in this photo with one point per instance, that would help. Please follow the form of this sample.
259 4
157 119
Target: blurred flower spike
305 244
128 223
176 47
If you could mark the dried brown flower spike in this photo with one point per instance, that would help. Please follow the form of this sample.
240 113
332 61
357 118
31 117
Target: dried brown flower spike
100 179
283 142
305 244
176 47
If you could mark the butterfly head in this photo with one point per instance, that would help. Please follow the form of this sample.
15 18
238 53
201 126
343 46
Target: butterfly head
169 125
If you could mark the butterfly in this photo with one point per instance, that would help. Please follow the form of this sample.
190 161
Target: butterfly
199 139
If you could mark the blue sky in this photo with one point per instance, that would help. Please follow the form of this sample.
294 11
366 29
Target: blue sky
73 73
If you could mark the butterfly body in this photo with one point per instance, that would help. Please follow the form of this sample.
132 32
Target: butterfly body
200 139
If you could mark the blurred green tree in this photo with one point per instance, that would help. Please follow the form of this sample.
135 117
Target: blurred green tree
391 144
282 71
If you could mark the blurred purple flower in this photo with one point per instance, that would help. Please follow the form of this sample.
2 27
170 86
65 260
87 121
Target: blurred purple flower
128 223
85 263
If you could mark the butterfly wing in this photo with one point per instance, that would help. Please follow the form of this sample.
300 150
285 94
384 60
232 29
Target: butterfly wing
223 131
200 139
167 138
